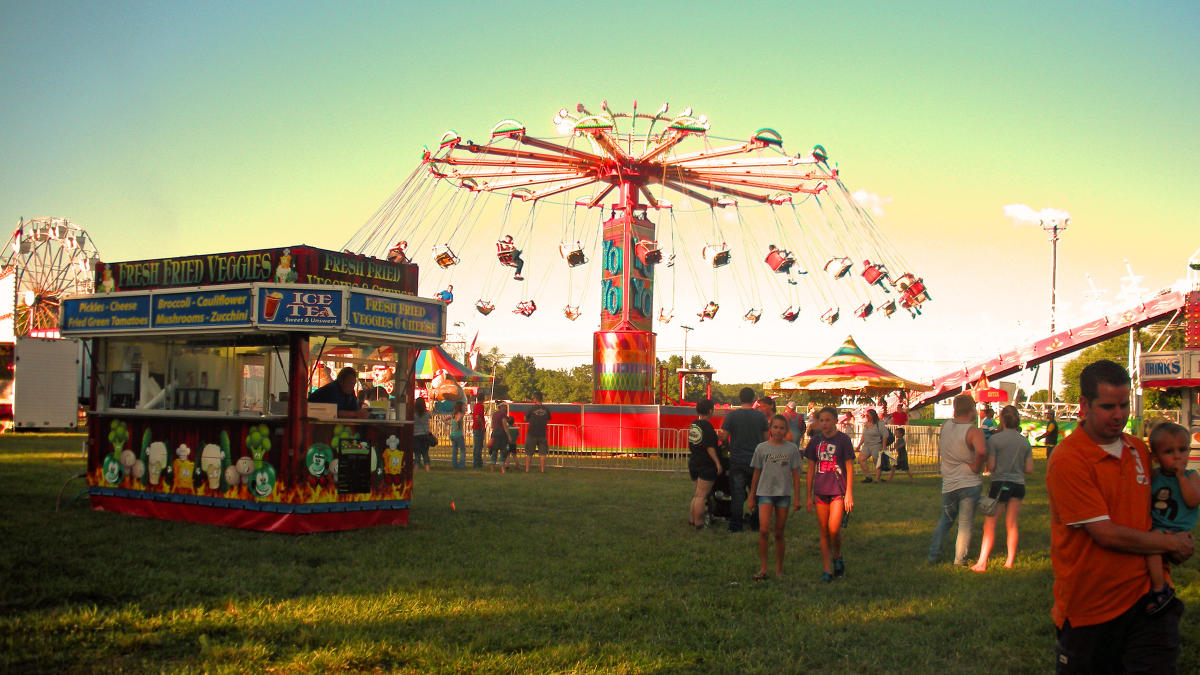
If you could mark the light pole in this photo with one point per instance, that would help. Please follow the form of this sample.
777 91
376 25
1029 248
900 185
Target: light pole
1052 227
686 330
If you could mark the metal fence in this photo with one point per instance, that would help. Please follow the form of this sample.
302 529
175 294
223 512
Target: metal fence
643 449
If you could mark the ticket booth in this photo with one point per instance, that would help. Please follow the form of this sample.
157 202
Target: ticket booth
201 371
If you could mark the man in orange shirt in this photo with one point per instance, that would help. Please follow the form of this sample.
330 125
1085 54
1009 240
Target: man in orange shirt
1099 485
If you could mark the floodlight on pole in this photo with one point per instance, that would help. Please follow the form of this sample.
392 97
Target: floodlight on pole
1053 226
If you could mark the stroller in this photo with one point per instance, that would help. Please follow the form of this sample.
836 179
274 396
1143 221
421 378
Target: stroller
720 500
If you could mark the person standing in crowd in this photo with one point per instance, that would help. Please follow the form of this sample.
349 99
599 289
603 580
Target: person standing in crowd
537 419
870 444
746 427
766 405
962 454
478 424
1009 459
1051 433
704 465
776 490
829 484
498 439
796 425
1099 488
901 450
458 441
988 425
900 417
421 434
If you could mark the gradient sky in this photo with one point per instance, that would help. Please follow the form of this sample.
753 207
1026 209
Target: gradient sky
172 128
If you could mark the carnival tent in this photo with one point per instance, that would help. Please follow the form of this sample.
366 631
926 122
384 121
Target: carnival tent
430 361
847 371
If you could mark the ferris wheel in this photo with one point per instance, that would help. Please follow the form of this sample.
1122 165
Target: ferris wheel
51 258
737 217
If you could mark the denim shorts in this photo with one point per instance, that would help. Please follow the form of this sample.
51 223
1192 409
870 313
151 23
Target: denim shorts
778 502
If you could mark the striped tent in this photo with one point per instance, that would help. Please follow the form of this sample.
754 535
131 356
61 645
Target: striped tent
847 371
430 361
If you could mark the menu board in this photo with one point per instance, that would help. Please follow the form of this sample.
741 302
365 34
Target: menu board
420 320
208 309
110 313
354 468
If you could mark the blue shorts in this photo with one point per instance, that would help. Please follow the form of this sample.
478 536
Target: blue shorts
778 502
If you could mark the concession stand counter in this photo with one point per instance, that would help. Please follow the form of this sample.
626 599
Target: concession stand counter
201 370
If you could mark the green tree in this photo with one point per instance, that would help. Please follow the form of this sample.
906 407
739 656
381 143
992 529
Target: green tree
693 388
520 377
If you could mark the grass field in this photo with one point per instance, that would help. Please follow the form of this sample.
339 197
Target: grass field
571 571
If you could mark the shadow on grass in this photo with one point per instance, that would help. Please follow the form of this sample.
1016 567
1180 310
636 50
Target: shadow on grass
567 571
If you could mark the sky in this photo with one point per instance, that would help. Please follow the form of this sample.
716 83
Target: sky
180 128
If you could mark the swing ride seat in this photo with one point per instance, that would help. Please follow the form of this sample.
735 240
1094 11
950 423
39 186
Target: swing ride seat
838 267
917 290
484 307
904 281
873 274
664 316
571 313
831 315
504 253
525 308
572 253
717 255
789 315
444 257
780 261
709 311
864 310
888 308
396 253
752 315
647 252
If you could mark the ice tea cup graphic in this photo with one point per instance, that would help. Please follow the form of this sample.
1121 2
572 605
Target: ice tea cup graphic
271 305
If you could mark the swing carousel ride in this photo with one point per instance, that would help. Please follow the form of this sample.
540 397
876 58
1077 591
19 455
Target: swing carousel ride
646 196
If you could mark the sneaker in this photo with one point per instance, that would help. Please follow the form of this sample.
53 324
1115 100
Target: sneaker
839 567
868 479
826 577
1157 601
518 277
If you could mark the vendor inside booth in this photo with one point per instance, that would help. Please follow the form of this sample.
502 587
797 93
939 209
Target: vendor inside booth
202 371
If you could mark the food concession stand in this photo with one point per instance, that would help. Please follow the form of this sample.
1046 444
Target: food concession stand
201 371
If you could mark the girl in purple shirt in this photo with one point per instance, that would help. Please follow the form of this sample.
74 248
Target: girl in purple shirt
830 483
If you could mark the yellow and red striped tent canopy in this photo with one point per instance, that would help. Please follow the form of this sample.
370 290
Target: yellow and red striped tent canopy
848 371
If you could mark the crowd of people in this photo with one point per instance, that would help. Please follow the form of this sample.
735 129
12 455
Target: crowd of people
1118 523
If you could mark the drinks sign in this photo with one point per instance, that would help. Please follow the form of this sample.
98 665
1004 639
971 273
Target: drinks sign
300 307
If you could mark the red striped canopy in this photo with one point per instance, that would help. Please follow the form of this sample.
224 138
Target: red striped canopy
847 371
430 361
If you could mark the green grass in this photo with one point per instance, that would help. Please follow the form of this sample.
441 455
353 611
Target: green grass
571 571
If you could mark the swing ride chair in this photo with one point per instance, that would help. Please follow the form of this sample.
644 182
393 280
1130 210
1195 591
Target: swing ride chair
397 253
838 267
876 274
717 254
444 256
626 163
525 308
864 310
647 252
831 315
572 253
